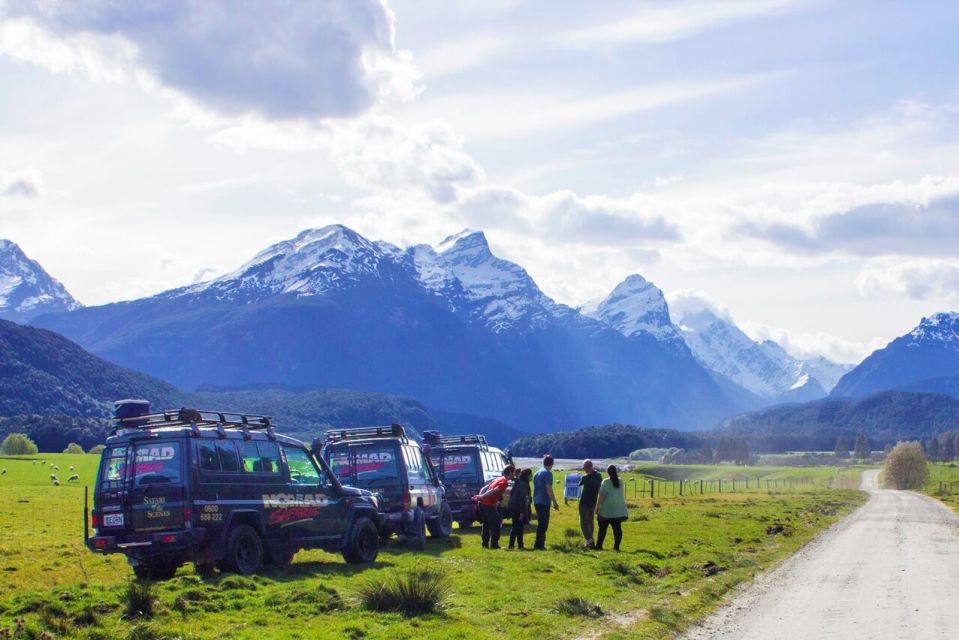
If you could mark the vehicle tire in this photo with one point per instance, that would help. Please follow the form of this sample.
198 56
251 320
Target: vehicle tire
244 550
442 525
156 569
364 542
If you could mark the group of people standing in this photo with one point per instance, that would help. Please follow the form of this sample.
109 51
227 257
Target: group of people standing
601 499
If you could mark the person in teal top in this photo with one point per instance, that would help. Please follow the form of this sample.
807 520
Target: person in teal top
611 508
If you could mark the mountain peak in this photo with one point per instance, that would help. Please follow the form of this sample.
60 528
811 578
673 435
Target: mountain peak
940 327
635 306
26 290
467 239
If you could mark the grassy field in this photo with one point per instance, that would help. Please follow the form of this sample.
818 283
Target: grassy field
680 556
944 483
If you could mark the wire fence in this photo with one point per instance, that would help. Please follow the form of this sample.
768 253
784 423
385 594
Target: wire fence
654 488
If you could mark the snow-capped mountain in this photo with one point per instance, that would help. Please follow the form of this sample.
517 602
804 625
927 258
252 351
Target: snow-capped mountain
452 325
26 290
636 306
928 352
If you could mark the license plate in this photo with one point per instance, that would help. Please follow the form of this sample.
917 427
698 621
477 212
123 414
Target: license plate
113 520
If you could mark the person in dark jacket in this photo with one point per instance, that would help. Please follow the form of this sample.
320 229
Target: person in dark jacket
519 507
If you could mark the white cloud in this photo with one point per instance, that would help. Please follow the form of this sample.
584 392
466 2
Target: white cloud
280 59
808 345
920 279
454 56
21 184
685 302
665 22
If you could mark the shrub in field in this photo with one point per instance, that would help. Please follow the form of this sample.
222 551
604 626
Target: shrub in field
906 467
147 631
140 599
96 450
573 606
413 592
18 444
73 447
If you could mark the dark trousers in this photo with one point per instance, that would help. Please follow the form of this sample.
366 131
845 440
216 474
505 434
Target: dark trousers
516 532
606 523
586 522
542 524
492 523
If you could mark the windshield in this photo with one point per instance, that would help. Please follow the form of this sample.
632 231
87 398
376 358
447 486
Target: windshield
365 465
457 466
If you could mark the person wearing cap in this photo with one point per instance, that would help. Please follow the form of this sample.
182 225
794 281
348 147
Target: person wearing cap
589 493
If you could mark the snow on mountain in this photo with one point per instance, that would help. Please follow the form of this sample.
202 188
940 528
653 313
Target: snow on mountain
636 306
912 361
826 371
464 272
26 290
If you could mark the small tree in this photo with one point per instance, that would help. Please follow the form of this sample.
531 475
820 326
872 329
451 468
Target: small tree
73 447
932 449
863 449
842 448
906 467
96 449
706 453
18 444
949 449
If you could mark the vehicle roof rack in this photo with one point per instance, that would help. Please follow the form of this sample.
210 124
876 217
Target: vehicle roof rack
196 419
366 433
438 440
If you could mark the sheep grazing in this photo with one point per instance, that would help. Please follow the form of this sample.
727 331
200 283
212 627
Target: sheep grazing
3 472
34 462
54 467
72 468
56 483
53 477
73 478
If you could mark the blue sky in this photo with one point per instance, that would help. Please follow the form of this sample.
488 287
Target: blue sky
795 162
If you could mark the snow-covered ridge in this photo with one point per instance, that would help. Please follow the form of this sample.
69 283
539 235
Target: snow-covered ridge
636 306
941 328
461 270
26 290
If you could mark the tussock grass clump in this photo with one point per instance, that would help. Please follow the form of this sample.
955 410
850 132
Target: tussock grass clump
580 607
413 592
231 583
627 571
147 631
139 599
320 598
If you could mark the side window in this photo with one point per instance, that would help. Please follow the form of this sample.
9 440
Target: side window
269 456
226 452
414 463
250 457
302 469
207 454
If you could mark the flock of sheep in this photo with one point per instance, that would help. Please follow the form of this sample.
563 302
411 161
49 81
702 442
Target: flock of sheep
75 477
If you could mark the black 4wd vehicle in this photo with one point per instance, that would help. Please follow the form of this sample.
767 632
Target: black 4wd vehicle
391 465
219 488
465 464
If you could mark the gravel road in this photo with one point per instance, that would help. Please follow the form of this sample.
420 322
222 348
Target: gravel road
889 570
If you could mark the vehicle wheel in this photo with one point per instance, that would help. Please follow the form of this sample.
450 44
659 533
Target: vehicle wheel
244 550
156 569
364 543
442 525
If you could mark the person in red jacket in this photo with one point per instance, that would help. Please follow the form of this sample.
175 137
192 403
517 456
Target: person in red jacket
489 498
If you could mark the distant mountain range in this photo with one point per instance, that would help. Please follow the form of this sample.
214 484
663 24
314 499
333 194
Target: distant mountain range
26 290
454 326
925 359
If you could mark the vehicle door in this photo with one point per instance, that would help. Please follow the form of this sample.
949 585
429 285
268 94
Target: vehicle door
261 481
311 509
158 488
462 473
111 497
421 484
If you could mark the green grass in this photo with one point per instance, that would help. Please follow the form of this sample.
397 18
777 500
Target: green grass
680 556
944 483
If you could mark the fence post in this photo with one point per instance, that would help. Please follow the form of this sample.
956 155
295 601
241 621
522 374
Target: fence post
680 487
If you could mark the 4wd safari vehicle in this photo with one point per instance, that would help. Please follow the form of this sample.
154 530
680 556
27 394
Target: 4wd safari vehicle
219 488
385 461
465 464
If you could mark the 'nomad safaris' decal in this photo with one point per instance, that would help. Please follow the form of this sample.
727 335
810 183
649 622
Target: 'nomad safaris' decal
289 508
